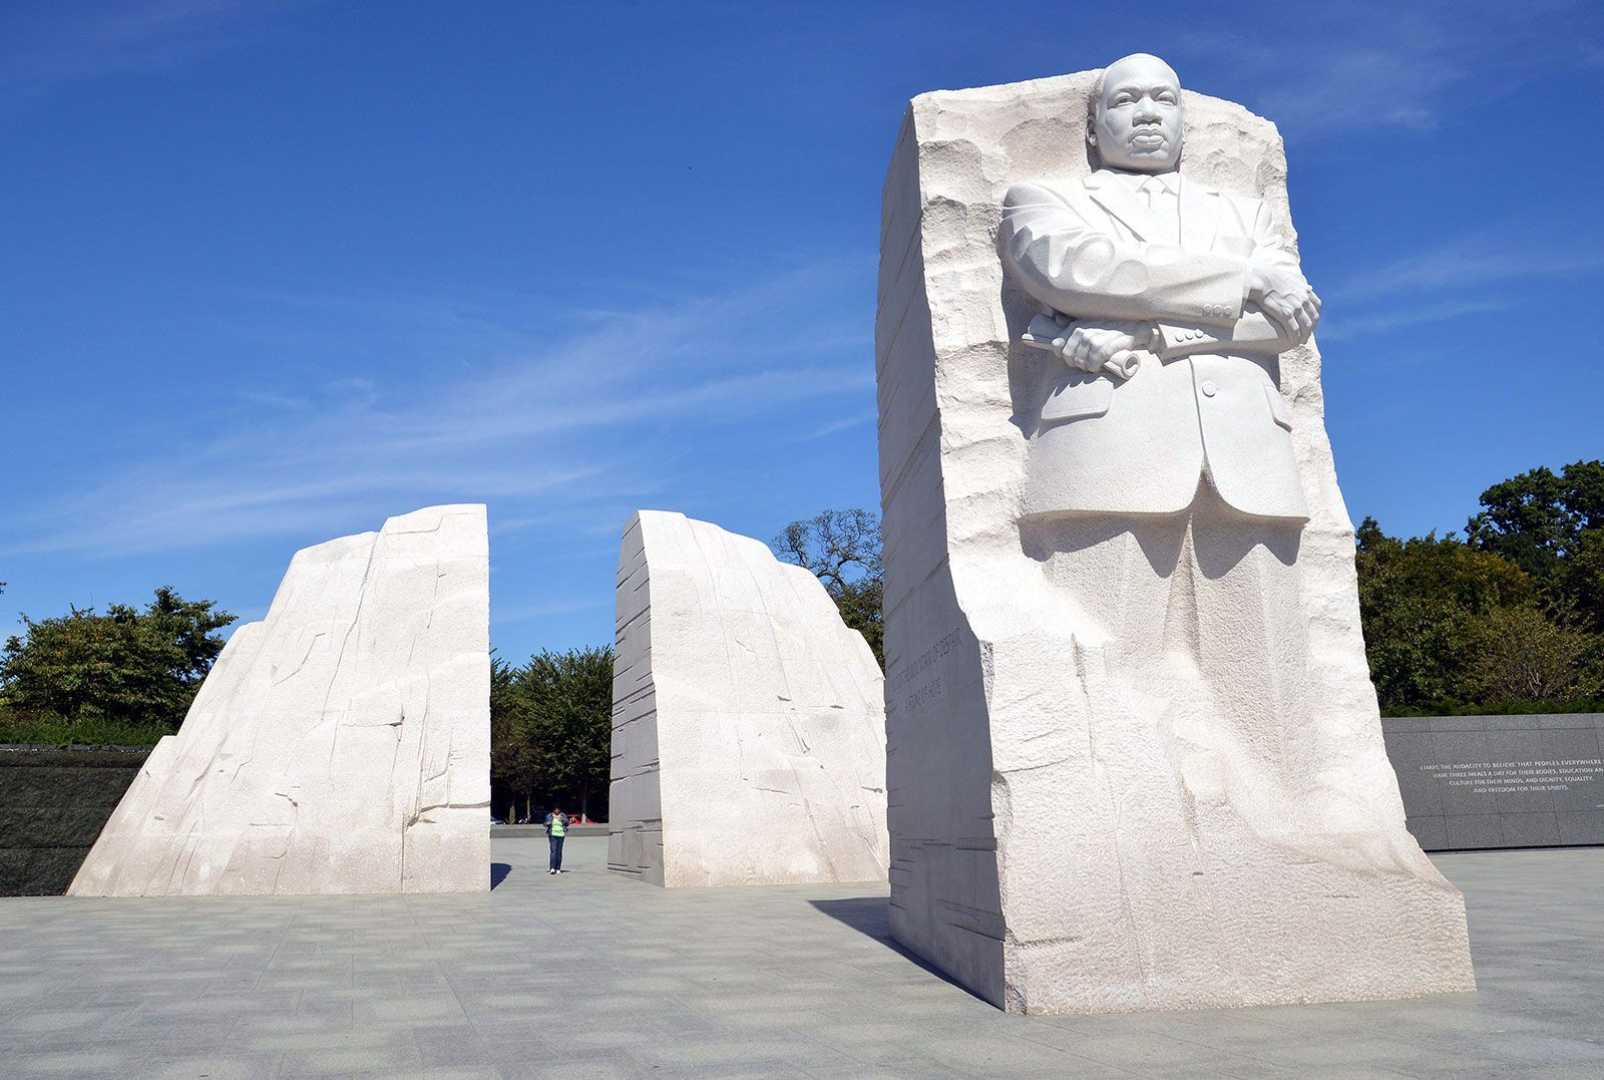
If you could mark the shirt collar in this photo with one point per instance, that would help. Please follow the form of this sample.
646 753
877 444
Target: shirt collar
1134 181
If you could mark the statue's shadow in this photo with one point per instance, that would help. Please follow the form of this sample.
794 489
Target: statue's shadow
871 916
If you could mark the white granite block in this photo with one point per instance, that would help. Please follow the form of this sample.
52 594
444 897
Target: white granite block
748 727
340 745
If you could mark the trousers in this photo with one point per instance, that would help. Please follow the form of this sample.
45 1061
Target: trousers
556 862
1201 608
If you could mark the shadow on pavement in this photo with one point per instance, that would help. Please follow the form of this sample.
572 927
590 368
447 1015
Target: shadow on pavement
499 872
871 916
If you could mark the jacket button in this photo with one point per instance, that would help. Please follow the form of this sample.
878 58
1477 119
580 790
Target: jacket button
1208 388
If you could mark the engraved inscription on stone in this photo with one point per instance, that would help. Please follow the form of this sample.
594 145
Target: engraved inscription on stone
918 685
1500 781
1498 777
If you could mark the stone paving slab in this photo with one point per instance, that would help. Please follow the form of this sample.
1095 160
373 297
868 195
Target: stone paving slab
591 975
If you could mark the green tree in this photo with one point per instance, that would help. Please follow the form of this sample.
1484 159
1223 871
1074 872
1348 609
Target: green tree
131 666
513 767
551 730
1584 578
570 696
842 548
1552 526
1525 658
1421 602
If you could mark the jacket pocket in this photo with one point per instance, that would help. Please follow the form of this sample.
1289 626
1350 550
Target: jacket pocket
1280 411
1089 395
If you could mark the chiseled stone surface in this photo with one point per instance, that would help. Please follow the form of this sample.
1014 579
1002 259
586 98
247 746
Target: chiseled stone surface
748 724
341 745
1134 763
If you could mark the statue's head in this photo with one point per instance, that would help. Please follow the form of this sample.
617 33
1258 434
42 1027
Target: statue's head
1135 121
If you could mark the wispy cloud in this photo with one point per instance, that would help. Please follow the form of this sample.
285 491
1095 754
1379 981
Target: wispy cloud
835 427
55 45
1394 66
1464 279
517 613
1363 86
1335 327
1512 251
589 418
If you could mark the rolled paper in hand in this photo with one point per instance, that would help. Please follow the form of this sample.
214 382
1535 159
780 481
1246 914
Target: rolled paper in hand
1045 329
1123 364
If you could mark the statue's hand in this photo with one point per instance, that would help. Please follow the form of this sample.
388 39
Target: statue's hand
1278 287
1090 347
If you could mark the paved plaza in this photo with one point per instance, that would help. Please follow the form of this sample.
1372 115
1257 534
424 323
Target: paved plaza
590 976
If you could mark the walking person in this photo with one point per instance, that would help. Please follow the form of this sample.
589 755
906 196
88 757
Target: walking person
556 829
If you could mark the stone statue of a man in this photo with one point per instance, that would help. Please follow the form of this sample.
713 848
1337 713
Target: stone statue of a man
1144 261
1162 495
1133 756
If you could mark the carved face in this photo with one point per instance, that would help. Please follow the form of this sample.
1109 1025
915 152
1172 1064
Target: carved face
1137 122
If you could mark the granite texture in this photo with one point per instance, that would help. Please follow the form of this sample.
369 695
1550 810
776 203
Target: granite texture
1112 787
1500 781
53 803
748 733
341 745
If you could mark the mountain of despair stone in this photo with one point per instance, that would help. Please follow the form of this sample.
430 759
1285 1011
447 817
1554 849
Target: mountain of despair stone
340 745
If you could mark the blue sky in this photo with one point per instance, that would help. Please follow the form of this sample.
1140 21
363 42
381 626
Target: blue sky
274 271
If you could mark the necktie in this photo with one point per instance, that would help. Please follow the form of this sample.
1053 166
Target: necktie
1161 205
1152 188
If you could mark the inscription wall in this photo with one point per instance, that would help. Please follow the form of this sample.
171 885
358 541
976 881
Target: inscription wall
53 804
1500 781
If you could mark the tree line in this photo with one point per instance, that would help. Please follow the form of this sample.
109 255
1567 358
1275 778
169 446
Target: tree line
125 676
551 734
1507 617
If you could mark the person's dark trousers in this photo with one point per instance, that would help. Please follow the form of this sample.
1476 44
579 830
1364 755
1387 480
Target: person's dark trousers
556 852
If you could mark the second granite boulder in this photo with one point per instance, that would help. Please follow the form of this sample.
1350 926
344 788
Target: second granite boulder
748 720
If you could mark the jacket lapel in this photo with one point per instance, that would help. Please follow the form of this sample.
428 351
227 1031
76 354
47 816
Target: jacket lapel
1109 192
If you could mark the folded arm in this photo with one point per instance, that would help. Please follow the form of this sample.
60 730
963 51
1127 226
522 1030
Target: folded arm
1276 285
1252 333
1081 271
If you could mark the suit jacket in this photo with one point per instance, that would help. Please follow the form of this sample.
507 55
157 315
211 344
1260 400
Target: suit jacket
1092 251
